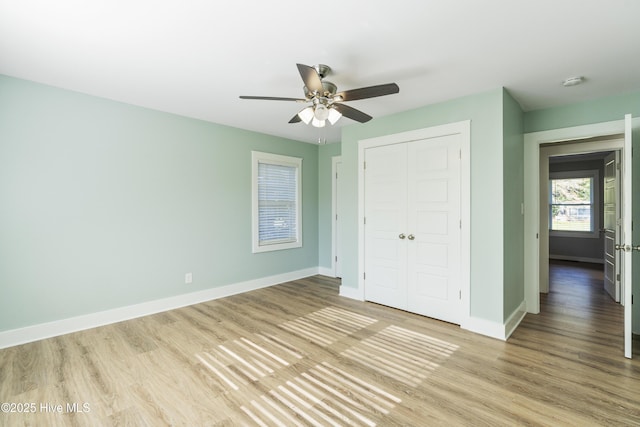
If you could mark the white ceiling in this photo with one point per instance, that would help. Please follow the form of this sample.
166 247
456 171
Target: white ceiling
195 57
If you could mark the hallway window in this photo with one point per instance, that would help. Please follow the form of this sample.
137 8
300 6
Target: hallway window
573 201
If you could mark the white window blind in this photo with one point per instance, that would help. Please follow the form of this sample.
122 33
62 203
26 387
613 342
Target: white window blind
276 204
277 216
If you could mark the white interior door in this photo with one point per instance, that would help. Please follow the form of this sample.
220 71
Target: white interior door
337 218
433 242
627 243
611 225
385 204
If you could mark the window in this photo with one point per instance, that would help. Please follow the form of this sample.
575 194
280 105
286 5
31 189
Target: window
276 189
573 203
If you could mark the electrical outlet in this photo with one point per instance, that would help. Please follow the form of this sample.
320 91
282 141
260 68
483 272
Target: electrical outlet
188 278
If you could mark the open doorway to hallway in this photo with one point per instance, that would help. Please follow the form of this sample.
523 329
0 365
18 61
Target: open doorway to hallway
583 210
577 139
579 266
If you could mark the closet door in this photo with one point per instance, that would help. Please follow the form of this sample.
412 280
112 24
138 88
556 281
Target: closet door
385 207
433 226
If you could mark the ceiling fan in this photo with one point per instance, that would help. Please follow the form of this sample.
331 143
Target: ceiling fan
326 104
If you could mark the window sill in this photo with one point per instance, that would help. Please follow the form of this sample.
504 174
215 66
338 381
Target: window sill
575 234
276 246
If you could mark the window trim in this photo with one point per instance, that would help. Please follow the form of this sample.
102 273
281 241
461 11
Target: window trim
595 203
258 157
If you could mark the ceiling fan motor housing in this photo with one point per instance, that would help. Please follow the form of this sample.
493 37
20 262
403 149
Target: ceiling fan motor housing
329 89
323 70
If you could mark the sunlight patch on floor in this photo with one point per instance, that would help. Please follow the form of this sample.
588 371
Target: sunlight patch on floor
241 361
325 395
326 326
266 376
402 354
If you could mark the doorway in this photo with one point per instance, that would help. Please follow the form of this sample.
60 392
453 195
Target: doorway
536 242
582 201
581 151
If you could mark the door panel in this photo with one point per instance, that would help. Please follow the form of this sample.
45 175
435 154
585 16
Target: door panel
611 215
433 211
385 216
626 270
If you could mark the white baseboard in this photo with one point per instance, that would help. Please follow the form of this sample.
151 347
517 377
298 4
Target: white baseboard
514 320
496 330
577 258
27 334
326 271
484 327
353 293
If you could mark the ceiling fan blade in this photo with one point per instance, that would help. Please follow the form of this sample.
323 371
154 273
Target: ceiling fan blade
295 119
368 92
273 98
311 78
352 113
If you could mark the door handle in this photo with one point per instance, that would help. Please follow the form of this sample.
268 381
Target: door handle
635 248
401 236
623 247
411 237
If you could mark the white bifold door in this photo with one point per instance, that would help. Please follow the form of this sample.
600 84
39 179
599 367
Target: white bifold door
412 255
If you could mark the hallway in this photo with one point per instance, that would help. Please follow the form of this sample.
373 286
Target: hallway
577 312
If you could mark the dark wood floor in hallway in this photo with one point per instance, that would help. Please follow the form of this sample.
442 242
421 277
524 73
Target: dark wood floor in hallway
299 354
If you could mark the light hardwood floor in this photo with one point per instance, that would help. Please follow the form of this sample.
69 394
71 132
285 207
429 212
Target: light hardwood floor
298 354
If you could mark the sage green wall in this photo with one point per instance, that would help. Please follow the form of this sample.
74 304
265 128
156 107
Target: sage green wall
485 112
513 196
325 188
597 111
104 204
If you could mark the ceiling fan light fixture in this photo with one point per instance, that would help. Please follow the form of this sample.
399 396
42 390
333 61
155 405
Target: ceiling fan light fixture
306 115
334 116
321 112
317 123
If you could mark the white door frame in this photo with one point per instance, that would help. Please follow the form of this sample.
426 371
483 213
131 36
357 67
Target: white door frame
534 246
334 213
464 129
